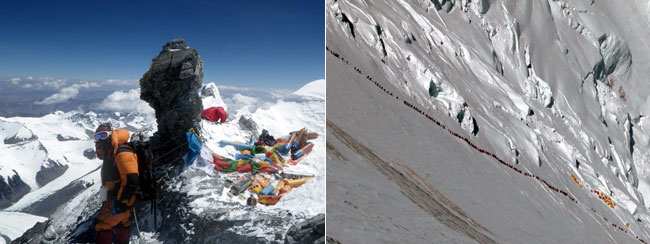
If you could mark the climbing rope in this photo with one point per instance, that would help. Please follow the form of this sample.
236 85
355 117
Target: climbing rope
486 152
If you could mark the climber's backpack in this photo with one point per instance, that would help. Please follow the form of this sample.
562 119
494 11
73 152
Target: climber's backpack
146 190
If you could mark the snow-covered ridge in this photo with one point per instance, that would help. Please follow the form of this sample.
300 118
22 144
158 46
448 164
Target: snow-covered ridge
313 89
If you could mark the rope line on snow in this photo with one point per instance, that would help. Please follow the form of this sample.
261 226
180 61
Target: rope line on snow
486 152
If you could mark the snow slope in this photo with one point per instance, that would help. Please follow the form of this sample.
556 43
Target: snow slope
552 88
313 89
20 222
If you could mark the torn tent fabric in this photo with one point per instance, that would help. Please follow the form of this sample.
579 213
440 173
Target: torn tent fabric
215 114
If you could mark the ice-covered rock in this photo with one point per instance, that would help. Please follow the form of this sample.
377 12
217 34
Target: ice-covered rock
616 57
12 188
311 230
211 97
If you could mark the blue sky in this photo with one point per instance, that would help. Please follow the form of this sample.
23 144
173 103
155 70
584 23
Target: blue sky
274 44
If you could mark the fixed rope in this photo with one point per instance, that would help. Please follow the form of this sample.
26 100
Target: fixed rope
486 152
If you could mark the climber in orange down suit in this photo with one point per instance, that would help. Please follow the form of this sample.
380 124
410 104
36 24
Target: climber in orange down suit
119 174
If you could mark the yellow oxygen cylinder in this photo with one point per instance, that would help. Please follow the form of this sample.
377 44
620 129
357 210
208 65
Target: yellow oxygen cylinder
298 182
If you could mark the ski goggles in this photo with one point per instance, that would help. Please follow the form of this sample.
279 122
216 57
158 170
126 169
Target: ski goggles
102 135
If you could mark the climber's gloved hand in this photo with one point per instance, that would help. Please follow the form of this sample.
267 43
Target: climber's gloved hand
120 207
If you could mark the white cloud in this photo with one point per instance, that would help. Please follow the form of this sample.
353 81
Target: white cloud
234 88
115 82
30 77
66 93
248 103
244 100
56 84
85 84
15 80
129 101
28 85
45 78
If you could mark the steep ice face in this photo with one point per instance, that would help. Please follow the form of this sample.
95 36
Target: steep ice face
555 87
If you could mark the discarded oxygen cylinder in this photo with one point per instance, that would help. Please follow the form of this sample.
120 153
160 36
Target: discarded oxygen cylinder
251 201
241 184
295 175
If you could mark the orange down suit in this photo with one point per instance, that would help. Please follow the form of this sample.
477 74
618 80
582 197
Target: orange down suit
117 176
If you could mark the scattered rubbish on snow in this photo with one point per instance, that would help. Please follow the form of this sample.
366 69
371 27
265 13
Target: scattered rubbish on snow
259 165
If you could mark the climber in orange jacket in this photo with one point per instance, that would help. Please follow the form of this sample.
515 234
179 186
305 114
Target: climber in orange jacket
119 176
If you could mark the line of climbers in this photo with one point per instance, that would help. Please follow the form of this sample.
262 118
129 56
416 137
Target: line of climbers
335 54
602 196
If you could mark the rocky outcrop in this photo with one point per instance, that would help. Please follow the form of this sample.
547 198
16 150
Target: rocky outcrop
171 88
615 53
90 153
23 134
50 172
42 232
48 205
309 231
66 138
247 123
11 189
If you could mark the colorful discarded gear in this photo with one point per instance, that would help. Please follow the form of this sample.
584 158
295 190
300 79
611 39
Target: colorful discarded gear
296 144
264 163
237 145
